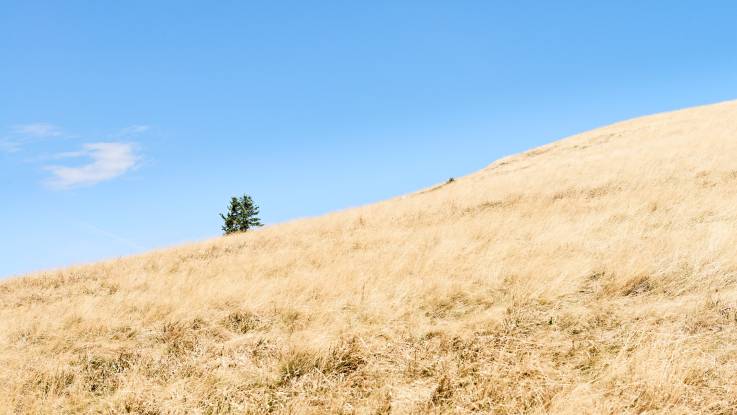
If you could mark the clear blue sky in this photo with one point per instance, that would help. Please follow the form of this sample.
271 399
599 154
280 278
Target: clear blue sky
127 125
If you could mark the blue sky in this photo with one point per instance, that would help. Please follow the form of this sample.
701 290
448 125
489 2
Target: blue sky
126 126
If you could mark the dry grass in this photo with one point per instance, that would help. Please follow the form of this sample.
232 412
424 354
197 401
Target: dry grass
597 275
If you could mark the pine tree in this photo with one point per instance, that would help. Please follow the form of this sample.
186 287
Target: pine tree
242 215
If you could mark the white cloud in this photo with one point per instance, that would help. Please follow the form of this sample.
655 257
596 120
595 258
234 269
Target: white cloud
42 130
108 161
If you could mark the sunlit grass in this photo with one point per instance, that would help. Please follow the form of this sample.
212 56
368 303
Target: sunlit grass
594 275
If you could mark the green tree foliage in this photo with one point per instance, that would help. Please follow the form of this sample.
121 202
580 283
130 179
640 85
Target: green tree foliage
242 215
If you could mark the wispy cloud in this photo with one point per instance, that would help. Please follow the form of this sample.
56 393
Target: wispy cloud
107 161
134 129
39 130
125 241
8 145
18 136
92 163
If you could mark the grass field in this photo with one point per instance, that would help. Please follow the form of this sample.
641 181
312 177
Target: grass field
597 274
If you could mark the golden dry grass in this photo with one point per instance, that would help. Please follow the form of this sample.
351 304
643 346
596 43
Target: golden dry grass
597 274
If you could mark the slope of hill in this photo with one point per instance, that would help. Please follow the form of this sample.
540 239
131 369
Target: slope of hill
596 274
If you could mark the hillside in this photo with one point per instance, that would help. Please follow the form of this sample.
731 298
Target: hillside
597 274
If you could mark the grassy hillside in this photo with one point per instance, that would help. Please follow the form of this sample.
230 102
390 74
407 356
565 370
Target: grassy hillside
597 274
